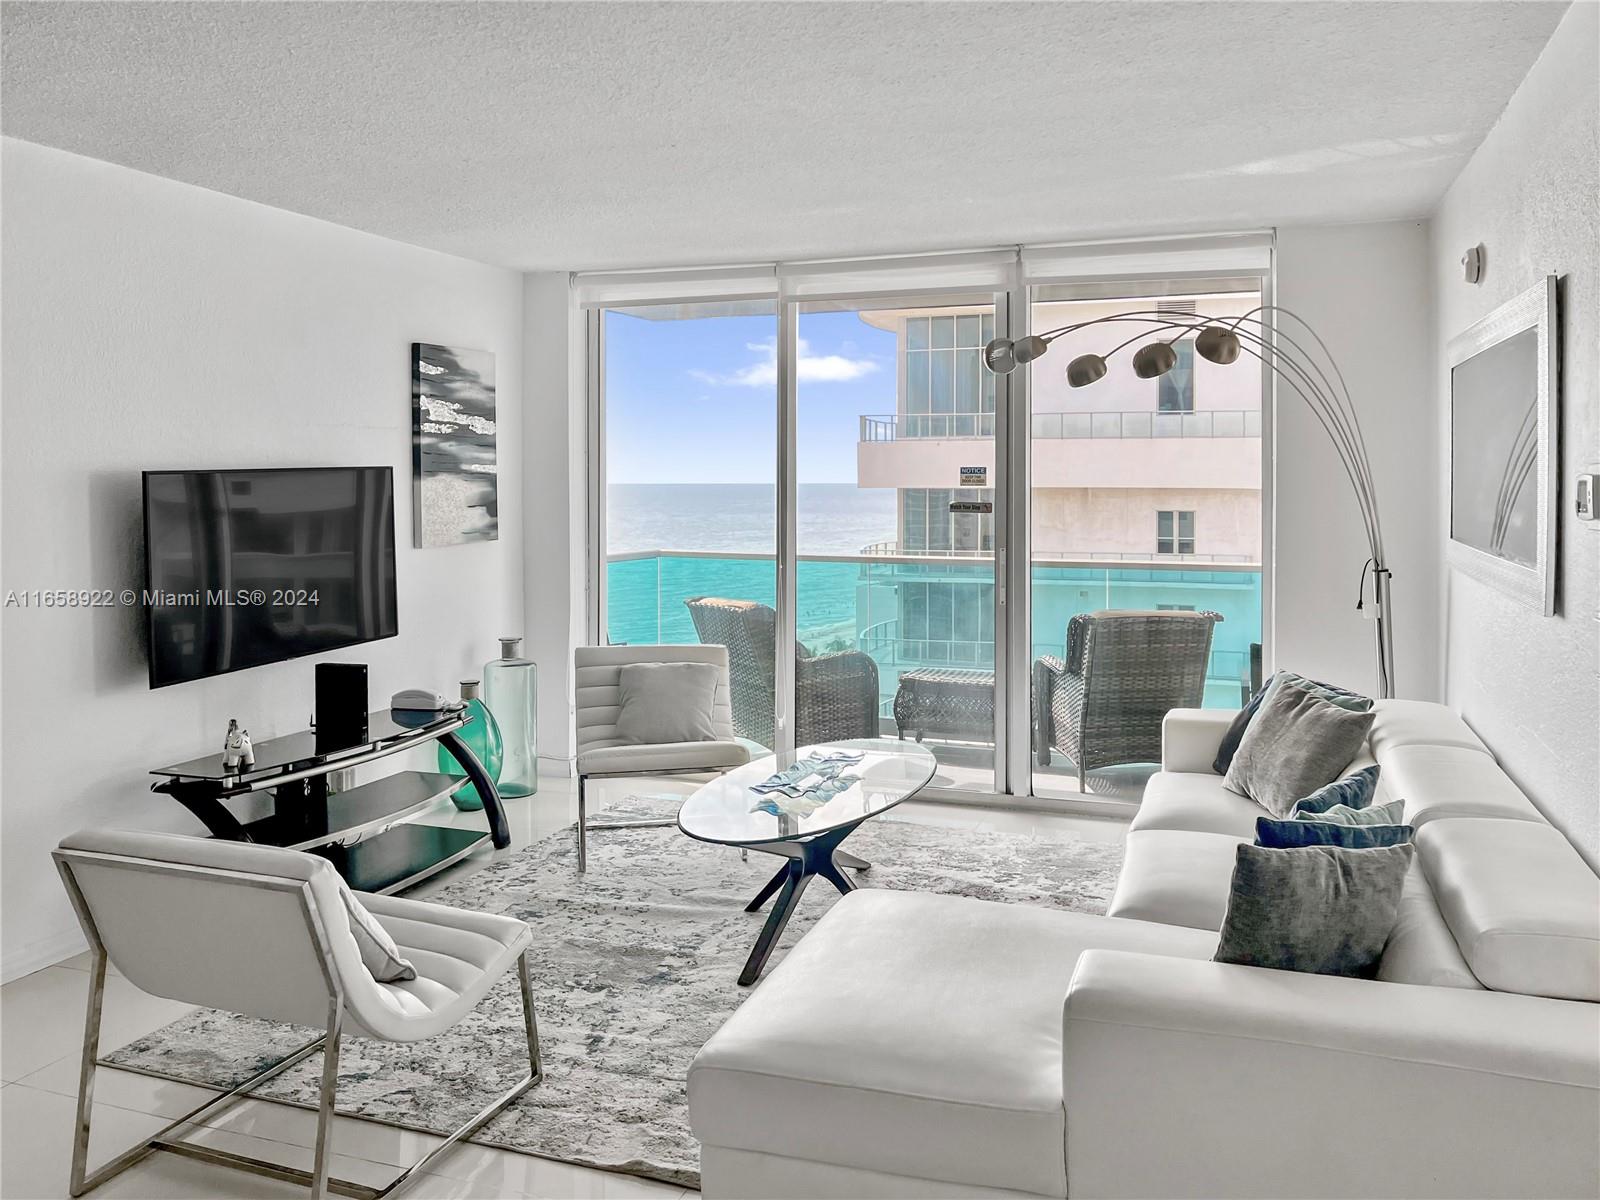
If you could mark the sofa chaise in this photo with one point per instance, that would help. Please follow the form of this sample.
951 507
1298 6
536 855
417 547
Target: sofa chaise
920 1045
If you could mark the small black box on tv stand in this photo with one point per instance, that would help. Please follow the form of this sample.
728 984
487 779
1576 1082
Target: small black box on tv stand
341 706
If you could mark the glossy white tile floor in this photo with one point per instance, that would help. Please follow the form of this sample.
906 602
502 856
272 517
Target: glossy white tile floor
41 1026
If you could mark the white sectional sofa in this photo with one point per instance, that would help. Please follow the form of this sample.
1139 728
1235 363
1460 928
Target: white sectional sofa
934 1046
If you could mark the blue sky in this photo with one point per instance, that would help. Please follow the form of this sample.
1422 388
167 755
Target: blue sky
695 401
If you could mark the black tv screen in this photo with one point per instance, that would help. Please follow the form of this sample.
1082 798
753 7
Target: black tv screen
250 567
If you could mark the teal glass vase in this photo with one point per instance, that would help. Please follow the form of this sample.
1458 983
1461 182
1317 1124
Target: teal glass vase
482 737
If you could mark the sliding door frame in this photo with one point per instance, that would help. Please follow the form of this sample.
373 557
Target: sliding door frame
789 324
595 440
788 500
1021 701
1012 562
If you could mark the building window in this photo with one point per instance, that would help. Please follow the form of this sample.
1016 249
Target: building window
1174 532
948 393
928 526
947 622
1175 389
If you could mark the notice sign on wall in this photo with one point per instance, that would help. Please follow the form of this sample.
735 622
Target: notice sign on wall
975 477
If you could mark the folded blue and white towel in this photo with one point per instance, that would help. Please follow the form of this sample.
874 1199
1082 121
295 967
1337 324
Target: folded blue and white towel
810 773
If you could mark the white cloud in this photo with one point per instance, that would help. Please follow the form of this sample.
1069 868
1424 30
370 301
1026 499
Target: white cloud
811 368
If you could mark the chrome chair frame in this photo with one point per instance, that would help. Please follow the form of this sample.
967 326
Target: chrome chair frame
586 826
166 1139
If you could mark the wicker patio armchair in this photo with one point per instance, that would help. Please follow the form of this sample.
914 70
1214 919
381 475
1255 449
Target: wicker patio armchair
836 694
1124 671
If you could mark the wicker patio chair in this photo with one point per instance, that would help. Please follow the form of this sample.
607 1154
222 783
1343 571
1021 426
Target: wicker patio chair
1124 671
836 694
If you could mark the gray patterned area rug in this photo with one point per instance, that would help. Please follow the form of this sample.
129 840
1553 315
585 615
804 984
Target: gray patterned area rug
634 967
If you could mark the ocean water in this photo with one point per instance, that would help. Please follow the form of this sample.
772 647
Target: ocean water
833 518
717 540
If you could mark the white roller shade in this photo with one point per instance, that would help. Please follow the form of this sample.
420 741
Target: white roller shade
967 271
1214 254
618 289
974 271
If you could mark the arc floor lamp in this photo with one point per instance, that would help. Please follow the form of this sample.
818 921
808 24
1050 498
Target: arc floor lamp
1309 371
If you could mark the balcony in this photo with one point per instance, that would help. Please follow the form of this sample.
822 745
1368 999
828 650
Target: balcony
1134 423
1141 451
881 549
910 611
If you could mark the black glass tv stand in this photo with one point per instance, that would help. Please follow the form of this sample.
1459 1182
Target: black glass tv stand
306 816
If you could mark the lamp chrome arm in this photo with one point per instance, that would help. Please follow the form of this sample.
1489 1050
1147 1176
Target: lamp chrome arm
1315 378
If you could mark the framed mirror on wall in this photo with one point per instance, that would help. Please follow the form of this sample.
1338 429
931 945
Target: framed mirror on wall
1504 427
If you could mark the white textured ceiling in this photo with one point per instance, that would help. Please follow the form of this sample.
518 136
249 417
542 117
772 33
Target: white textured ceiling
627 134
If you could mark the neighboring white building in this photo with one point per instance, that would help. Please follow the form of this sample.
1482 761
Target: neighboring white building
1125 469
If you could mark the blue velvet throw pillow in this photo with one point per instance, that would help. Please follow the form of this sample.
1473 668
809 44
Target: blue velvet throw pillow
1393 813
1353 791
1229 746
1291 835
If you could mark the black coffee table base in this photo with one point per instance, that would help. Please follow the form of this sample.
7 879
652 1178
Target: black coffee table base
819 855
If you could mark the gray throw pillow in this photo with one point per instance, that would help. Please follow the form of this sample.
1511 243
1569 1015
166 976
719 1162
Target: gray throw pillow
1297 743
664 703
1392 813
1321 909
380 954
1229 746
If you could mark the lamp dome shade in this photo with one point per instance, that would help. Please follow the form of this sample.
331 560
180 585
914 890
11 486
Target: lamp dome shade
1085 369
1030 348
1216 344
1000 356
1154 360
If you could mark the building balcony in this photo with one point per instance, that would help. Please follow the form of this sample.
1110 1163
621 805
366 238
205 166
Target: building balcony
892 549
1134 423
922 610
1115 450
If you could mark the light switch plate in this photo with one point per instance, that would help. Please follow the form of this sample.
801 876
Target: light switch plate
1588 497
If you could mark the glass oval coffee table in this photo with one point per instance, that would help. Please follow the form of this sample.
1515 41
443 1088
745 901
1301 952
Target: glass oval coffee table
800 806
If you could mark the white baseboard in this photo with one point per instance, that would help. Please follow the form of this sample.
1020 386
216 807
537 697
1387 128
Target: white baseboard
560 768
35 956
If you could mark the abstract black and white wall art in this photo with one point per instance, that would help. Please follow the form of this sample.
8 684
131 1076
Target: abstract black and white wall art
455 498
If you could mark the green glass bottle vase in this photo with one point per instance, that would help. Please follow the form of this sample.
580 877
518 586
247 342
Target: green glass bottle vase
511 690
482 737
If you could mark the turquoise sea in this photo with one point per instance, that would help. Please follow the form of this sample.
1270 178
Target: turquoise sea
671 542
833 518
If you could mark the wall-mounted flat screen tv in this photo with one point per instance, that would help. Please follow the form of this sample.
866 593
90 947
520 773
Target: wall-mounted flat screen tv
244 568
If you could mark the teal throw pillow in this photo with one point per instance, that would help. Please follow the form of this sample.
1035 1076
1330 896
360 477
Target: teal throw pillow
1353 791
1392 813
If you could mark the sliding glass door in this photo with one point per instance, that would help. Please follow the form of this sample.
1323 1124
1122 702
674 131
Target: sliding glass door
689 418
1146 498
895 589
819 472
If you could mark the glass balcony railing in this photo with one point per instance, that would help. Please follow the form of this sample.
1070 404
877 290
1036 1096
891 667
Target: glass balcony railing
1207 423
879 549
910 611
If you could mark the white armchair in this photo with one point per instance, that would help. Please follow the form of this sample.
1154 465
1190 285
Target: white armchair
598 699
267 932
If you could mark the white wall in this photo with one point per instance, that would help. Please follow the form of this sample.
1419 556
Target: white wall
152 324
556 451
1531 195
1366 290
